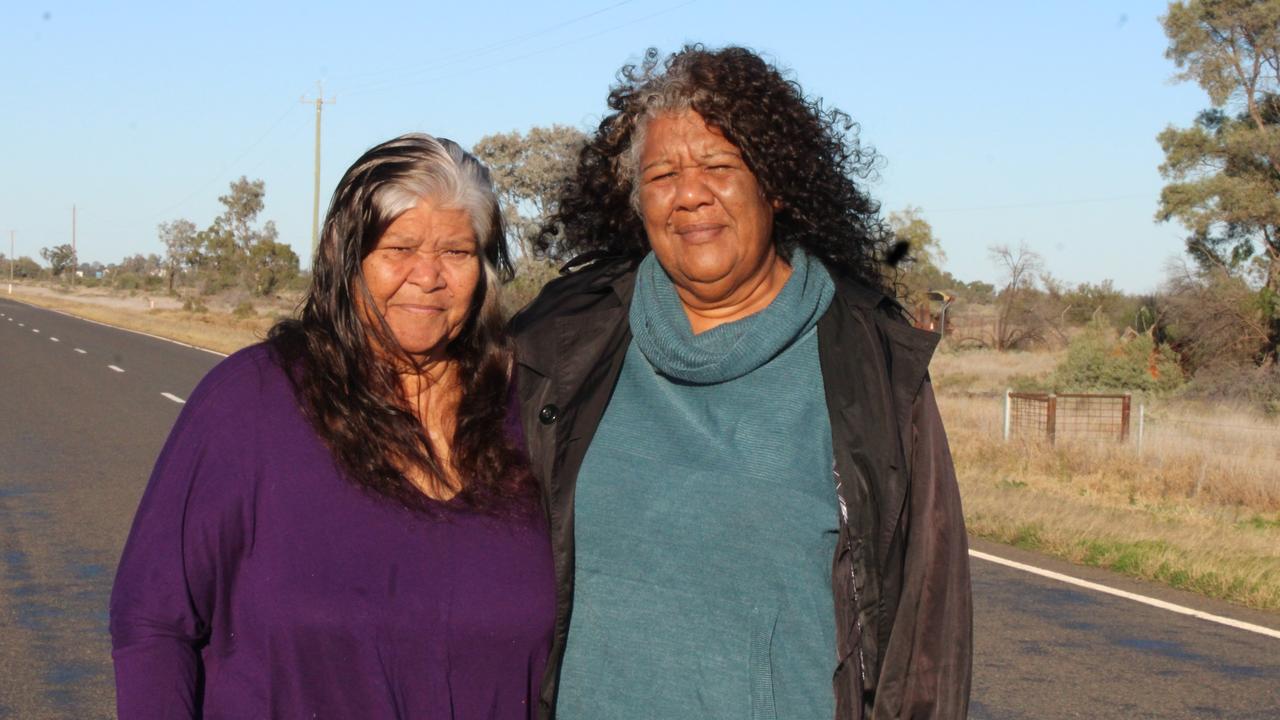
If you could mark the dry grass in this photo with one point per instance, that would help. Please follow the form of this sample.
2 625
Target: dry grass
983 372
1198 508
215 329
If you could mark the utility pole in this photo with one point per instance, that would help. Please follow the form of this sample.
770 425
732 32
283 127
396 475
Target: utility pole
315 204
74 262
10 262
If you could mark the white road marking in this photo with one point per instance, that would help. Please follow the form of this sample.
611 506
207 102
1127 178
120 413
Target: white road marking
22 324
53 339
1171 607
135 332
35 330
80 351
117 369
174 398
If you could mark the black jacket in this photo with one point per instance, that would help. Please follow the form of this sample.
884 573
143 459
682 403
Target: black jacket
900 577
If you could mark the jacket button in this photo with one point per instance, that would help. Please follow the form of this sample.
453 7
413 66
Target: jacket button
549 414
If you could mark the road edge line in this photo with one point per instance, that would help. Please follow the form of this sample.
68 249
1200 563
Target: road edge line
1163 605
117 327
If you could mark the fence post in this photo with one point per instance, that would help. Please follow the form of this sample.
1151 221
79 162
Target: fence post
1124 419
1007 402
1051 418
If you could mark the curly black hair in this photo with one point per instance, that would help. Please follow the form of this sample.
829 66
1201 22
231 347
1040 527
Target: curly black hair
805 156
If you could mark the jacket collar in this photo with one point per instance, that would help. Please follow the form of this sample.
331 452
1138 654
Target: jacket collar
595 296
908 350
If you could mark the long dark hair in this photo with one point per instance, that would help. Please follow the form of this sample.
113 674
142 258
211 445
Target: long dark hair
345 368
803 154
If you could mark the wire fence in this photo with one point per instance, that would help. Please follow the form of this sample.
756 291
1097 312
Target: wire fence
1098 417
1236 440
1076 416
1229 454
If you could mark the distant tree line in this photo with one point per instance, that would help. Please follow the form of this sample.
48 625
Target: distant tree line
234 251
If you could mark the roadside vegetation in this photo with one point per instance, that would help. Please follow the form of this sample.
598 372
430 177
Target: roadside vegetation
1198 507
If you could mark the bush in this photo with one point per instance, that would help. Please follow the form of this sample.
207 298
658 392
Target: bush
1240 383
135 281
194 305
244 310
1098 360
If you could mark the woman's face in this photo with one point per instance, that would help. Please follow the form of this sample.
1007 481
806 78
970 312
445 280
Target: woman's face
705 214
422 275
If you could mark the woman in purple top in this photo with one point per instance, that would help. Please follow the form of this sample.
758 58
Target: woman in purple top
342 523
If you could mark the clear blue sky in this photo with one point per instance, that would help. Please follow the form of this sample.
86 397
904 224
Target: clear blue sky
1004 121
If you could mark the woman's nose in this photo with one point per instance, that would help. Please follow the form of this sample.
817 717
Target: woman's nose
691 190
426 271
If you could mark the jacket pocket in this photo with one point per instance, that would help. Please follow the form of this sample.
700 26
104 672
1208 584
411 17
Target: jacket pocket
763 622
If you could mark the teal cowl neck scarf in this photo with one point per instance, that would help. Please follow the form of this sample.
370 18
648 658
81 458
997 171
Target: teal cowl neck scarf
661 329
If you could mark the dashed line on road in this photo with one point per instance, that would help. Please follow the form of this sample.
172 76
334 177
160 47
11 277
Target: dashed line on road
117 369
53 339
82 352
1171 607
22 324
174 398
35 330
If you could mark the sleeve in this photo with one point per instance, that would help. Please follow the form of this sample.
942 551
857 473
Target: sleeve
930 652
170 573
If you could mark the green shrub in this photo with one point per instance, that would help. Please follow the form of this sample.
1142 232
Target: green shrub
244 310
1098 360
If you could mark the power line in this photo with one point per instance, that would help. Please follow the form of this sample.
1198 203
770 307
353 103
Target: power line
477 52
1052 203
221 174
516 58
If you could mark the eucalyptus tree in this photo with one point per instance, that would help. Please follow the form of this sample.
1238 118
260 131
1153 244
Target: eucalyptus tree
528 172
1223 171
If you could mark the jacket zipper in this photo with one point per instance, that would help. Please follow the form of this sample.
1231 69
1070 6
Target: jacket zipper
853 575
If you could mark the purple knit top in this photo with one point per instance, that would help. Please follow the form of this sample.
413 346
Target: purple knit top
258 582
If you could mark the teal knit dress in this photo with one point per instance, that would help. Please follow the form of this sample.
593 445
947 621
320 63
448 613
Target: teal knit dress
706 519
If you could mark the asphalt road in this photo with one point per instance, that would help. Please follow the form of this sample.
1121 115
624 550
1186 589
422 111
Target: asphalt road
77 441
78 438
